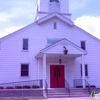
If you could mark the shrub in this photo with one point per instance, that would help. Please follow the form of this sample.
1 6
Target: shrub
35 86
9 87
79 86
1 87
92 86
26 87
18 87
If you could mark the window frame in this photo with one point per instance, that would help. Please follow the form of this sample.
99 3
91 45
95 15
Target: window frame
55 25
23 44
24 70
55 39
55 1
83 47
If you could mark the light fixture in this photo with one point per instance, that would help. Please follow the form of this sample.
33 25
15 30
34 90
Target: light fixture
60 60
65 51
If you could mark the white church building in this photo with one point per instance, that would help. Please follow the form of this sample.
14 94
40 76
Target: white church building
52 49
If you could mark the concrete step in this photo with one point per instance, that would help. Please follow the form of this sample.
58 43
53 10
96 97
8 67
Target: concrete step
56 93
74 92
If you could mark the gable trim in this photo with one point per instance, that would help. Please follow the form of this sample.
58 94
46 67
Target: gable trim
55 14
18 31
74 45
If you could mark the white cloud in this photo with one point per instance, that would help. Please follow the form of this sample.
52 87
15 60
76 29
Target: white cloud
17 16
77 4
89 23
4 17
9 30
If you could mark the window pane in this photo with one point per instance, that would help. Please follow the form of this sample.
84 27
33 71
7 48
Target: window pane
54 0
83 45
86 70
24 73
81 70
24 69
25 44
55 25
52 41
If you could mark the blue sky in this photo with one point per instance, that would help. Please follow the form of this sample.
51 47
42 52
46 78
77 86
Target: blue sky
15 14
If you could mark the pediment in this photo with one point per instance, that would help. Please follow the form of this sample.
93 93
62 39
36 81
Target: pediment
57 15
58 48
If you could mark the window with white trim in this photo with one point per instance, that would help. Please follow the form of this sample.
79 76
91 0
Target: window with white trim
25 44
52 41
83 45
54 0
86 70
24 69
55 25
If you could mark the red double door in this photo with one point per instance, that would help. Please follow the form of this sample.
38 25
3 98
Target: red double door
57 79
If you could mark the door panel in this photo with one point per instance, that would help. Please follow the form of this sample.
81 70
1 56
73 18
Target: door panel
61 79
53 76
57 76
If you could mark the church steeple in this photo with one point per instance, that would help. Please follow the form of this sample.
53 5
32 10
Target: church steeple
54 6
45 7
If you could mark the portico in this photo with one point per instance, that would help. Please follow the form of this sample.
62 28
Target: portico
50 58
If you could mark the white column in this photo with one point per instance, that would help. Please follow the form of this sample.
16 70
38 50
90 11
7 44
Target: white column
83 71
38 68
44 70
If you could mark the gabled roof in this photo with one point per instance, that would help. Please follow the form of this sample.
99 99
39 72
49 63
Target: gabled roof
18 31
65 41
55 14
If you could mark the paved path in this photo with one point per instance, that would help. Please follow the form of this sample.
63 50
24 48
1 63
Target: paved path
76 98
80 98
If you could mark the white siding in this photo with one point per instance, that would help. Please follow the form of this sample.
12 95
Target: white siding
59 49
44 6
12 55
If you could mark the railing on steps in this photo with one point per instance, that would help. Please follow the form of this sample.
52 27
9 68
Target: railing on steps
46 88
67 87
87 86
22 84
78 83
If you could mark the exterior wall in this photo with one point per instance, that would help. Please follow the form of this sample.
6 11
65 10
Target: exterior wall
12 55
44 14
44 7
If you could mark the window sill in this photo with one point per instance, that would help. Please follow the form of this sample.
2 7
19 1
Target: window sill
85 77
22 77
25 50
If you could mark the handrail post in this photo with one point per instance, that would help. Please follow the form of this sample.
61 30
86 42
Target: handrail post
89 90
68 87
46 88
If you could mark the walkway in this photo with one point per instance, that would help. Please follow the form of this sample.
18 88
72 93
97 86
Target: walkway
80 98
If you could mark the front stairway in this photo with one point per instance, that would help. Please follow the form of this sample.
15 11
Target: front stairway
61 93
79 92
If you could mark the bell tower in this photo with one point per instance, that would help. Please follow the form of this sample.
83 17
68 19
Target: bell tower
46 7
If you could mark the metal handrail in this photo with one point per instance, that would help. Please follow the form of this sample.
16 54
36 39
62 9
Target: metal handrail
46 88
88 87
78 82
67 87
22 83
